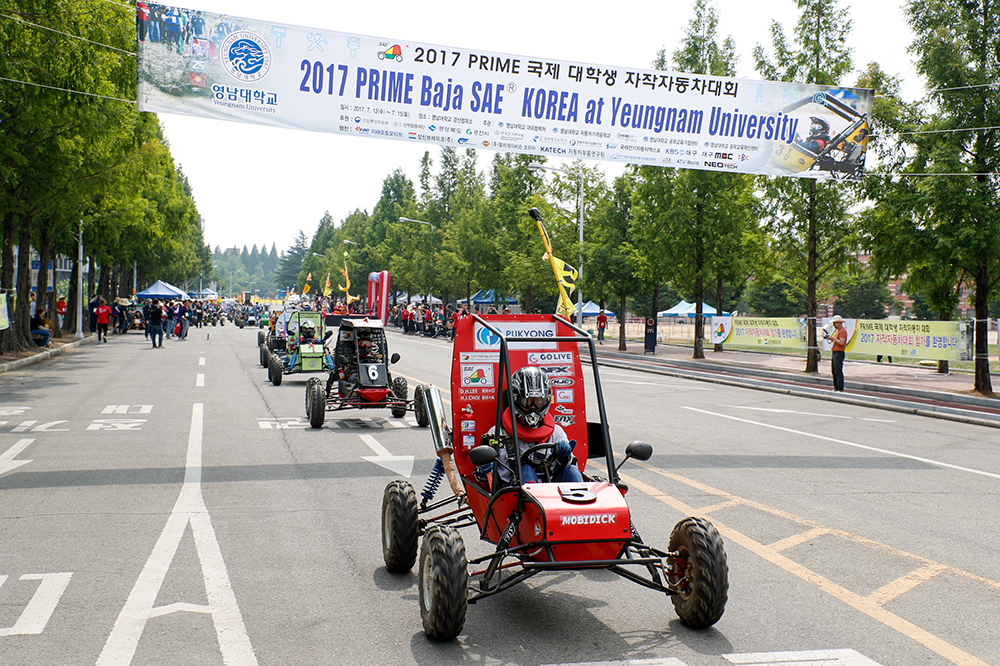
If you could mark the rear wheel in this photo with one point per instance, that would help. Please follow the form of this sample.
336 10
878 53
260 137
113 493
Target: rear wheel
703 580
263 356
399 389
315 402
420 407
276 368
399 526
444 582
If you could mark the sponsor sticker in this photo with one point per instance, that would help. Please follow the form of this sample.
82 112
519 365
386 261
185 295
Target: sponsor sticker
564 395
468 426
557 370
562 381
550 357
469 441
598 519
562 409
486 339
565 420
479 374
480 357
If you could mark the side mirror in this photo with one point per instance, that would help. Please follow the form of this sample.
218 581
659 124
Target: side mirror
639 450
482 455
394 359
327 335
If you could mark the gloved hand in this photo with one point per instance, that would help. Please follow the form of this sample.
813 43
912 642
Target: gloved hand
564 449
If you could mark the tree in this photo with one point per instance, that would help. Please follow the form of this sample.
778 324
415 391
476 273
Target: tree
958 212
290 264
809 220
860 295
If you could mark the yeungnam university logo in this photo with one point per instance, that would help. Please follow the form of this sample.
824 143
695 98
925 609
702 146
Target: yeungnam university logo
246 56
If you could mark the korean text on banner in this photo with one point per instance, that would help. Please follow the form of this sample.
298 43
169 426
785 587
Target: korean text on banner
786 332
931 340
255 71
4 318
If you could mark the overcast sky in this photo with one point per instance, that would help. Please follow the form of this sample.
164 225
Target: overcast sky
260 185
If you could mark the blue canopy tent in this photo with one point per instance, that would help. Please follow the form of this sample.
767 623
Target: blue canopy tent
488 297
592 309
206 293
161 289
685 309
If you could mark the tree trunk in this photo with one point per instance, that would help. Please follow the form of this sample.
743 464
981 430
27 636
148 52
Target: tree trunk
812 353
983 383
69 321
656 301
527 299
699 323
21 322
621 323
718 307
468 296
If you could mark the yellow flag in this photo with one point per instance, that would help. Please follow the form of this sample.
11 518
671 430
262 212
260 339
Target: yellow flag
326 289
305 289
347 289
565 274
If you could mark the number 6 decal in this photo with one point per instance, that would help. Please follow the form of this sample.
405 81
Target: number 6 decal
373 373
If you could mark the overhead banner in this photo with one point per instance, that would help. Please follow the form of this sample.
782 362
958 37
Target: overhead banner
245 70
786 332
930 340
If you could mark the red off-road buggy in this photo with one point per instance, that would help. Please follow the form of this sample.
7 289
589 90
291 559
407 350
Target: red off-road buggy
536 527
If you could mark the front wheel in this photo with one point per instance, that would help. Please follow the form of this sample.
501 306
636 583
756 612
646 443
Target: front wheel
420 407
444 583
399 389
260 336
399 526
702 578
276 368
315 402
263 356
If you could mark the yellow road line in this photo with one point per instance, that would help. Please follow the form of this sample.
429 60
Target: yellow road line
799 539
904 584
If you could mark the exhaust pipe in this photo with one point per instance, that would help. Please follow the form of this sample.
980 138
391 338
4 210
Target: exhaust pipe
442 436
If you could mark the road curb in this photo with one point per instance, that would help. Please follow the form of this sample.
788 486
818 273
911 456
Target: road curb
43 356
877 402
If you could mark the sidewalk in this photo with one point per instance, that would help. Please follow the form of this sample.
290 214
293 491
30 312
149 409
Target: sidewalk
34 355
907 388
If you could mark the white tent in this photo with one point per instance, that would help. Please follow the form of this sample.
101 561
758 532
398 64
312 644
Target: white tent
685 309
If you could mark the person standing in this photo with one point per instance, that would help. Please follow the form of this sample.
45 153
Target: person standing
61 309
839 339
103 313
154 323
184 316
602 323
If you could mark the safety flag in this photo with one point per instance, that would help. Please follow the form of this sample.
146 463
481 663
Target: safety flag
347 289
306 287
326 289
309 277
565 274
565 307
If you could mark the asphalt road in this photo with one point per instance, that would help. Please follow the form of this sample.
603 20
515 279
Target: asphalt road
173 507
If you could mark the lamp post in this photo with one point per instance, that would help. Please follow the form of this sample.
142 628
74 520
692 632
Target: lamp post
534 166
79 284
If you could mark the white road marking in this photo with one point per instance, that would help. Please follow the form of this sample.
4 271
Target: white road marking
402 465
878 420
43 603
47 427
200 380
684 386
937 463
7 462
24 426
789 411
397 424
190 509
663 661
127 409
201 361
803 658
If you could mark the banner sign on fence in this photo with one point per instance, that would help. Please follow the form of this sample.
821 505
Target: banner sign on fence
931 340
4 318
786 332
245 70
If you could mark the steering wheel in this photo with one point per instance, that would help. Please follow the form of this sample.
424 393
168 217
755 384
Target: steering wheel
544 471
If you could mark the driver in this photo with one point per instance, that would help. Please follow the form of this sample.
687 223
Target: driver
307 333
819 135
532 394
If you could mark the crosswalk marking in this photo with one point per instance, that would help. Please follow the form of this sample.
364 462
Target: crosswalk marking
802 658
